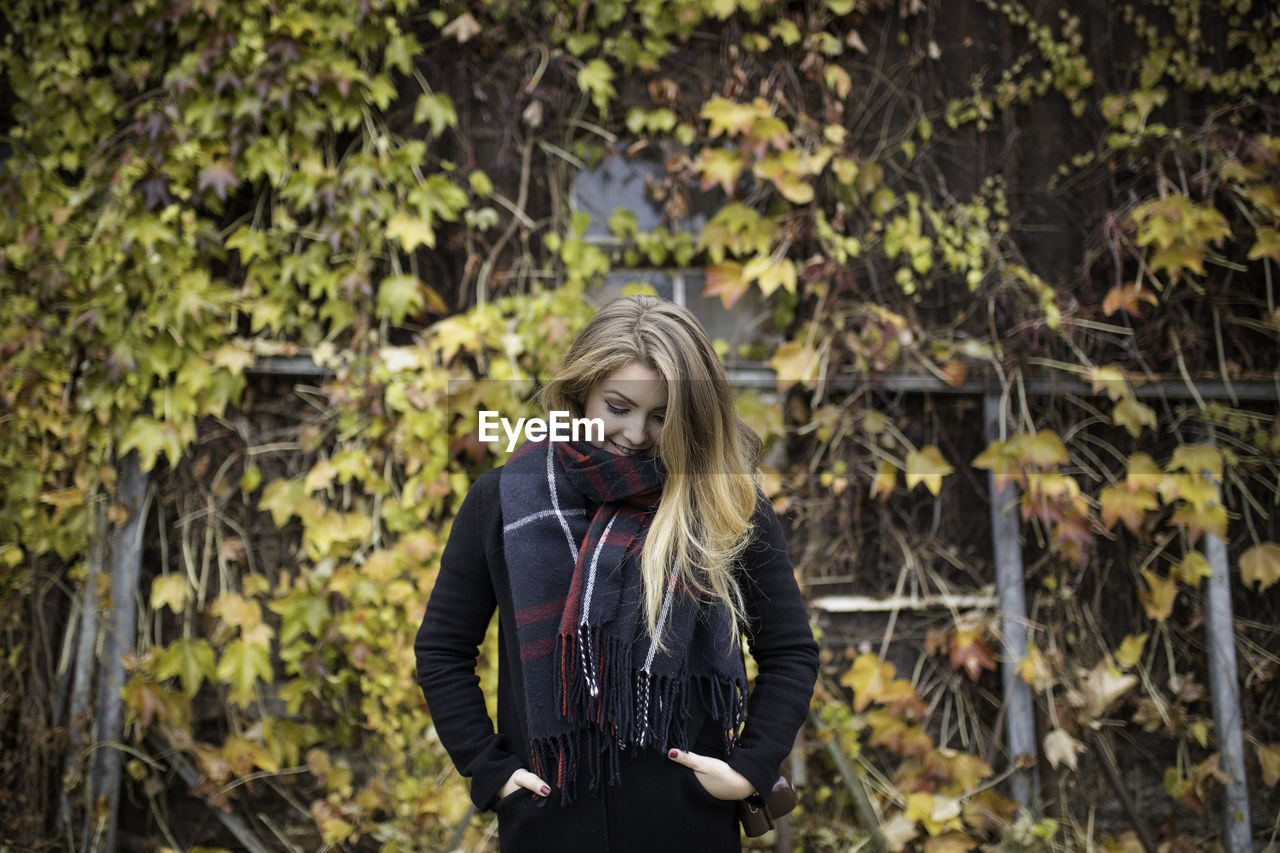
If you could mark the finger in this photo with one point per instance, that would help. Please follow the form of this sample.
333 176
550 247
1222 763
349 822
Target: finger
688 759
532 782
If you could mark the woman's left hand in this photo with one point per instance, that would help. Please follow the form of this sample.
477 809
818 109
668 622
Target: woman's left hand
720 780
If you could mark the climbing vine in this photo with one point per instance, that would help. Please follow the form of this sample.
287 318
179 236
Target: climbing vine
199 197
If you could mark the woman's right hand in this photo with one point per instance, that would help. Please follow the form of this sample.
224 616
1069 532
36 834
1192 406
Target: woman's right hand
524 779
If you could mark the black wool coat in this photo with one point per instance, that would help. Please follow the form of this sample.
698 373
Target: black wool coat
658 805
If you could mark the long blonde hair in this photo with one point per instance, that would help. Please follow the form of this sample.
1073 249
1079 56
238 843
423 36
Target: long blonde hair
704 518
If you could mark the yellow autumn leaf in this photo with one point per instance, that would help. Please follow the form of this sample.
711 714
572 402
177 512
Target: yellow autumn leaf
1111 379
1157 595
885 479
1197 459
410 231
1260 565
770 273
919 806
236 611
1130 651
170 591
234 358
1143 473
1002 459
1125 842
1193 568
1119 504
1133 416
451 334
1034 669
868 677
1045 449
1269 760
1196 490
794 362
1211 519
721 166
728 117
927 466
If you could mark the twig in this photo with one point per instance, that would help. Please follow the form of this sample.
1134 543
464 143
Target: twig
234 824
853 783
1108 760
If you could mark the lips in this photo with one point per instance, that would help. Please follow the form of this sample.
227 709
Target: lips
623 451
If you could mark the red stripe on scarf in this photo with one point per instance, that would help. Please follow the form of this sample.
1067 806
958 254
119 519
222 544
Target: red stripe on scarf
537 648
536 613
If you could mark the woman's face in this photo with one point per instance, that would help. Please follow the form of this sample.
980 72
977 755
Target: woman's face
632 403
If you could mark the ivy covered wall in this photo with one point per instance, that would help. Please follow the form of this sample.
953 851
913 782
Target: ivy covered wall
1069 206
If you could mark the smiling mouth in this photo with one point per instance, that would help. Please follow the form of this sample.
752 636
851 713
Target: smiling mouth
624 451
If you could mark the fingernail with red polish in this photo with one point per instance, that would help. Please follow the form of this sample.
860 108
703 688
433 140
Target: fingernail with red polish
545 791
675 753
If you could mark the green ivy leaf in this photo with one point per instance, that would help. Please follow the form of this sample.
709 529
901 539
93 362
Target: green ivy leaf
399 296
241 666
436 110
596 78
191 661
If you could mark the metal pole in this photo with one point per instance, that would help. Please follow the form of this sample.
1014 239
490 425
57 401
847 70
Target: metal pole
1224 684
1020 723
126 560
78 721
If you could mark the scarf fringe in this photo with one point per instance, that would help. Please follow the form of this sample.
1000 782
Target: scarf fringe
615 707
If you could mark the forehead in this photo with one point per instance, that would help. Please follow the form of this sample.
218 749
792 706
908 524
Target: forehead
637 381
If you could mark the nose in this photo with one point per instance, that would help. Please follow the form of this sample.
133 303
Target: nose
635 433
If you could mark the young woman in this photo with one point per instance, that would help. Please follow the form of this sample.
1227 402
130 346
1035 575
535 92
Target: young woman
624 571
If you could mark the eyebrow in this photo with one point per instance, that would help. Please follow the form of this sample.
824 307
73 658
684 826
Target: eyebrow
631 402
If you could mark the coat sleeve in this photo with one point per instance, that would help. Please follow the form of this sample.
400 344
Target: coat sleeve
786 655
453 627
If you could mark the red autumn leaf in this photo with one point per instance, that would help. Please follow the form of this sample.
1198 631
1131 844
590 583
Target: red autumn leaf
726 281
970 652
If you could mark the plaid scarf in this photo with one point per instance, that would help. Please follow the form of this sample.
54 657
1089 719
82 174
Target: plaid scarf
575 517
